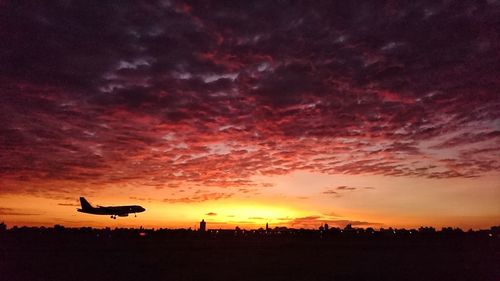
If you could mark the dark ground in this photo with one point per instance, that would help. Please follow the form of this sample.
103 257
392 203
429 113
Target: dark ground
77 257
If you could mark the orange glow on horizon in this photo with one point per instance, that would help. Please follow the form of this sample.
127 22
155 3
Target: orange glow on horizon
334 199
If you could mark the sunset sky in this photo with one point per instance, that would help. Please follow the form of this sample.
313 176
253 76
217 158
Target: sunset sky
294 113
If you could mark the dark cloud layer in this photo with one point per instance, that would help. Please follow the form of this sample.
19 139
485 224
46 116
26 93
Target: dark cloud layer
342 189
211 93
14 212
315 221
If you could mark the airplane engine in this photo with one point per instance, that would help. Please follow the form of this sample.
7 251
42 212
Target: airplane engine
123 215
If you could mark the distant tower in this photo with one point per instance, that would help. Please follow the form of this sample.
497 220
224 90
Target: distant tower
326 227
203 226
267 227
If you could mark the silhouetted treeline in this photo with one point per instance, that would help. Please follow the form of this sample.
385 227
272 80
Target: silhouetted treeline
342 254
277 232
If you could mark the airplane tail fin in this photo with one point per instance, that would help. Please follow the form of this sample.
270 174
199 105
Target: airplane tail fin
85 204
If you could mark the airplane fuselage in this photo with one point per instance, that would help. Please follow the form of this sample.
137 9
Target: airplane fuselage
121 211
113 211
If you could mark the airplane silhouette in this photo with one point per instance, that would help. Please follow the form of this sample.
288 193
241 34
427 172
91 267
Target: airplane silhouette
121 211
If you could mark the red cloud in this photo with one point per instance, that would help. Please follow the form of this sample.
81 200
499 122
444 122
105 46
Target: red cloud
199 198
203 96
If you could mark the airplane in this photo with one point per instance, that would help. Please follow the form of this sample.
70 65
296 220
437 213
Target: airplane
121 211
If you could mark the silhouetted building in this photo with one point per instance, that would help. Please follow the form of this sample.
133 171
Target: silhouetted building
3 227
267 227
203 226
326 227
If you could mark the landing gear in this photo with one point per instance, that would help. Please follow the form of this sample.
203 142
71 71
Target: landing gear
113 217
135 215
